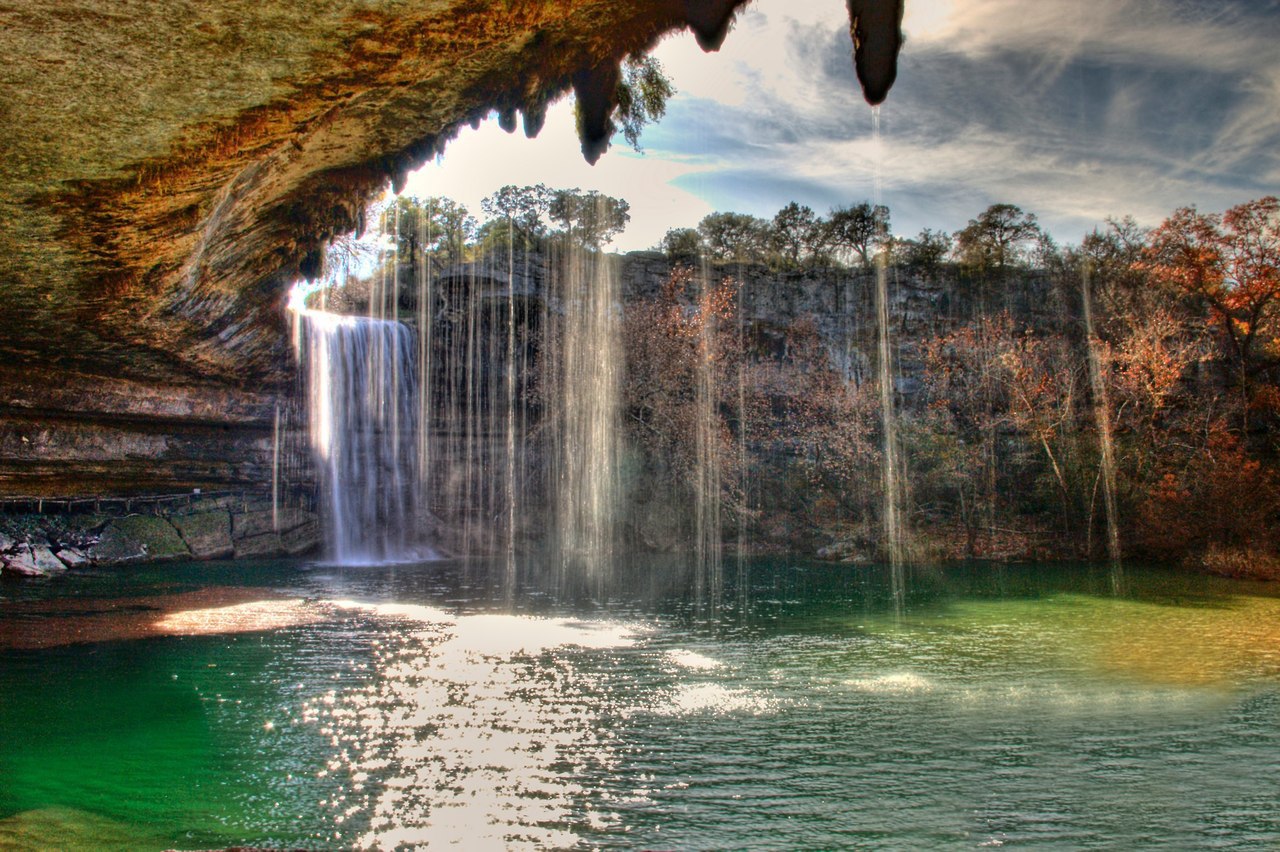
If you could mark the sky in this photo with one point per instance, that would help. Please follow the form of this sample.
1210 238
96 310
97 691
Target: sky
1073 110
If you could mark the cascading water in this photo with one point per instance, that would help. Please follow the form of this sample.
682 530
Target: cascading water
708 545
891 477
744 490
587 379
511 410
1106 446
890 472
362 394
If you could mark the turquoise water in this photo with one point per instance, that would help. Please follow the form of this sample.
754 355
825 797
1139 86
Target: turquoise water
426 704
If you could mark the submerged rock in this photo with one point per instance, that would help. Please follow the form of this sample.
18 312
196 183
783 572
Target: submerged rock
67 828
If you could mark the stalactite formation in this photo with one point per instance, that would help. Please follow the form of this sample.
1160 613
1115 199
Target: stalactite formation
876 28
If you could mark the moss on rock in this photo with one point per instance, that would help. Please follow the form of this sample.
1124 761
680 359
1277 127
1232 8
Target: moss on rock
139 538
207 534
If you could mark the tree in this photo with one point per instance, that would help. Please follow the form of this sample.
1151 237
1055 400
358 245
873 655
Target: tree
1111 258
858 229
588 218
734 236
997 238
1230 266
673 340
682 244
796 231
523 209
926 251
436 226
643 93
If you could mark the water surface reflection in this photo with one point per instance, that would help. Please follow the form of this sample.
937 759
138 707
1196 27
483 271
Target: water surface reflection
290 705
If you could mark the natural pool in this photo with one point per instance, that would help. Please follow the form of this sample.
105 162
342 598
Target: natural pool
426 704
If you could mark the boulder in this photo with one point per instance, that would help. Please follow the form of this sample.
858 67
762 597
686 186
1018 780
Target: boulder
660 526
138 538
207 534
266 544
302 539
37 561
45 560
258 520
72 557
252 523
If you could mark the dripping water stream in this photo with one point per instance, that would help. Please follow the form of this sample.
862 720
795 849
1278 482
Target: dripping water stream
892 502
1106 446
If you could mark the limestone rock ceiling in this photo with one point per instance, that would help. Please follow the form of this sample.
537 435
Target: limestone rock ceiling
170 165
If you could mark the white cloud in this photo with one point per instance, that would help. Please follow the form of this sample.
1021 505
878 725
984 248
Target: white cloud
767 58
1204 35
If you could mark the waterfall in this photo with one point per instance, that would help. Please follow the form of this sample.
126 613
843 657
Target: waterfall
588 377
510 365
890 471
891 476
1102 416
744 487
708 547
362 395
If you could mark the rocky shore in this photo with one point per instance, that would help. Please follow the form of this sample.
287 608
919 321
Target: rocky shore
196 527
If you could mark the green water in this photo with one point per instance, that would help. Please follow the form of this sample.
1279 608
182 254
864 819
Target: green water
426 704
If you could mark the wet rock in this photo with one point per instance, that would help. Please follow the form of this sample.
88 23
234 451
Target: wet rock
72 557
6 543
710 20
266 544
138 538
33 561
596 90
207 534
302 539
260 520
876 29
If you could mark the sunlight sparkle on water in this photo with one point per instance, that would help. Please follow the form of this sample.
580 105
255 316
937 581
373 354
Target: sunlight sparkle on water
242 618
484 743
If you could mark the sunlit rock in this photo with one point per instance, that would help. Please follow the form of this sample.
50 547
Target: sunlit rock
33 561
